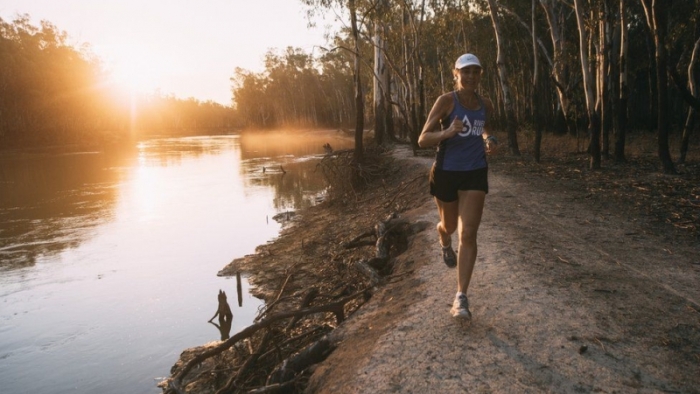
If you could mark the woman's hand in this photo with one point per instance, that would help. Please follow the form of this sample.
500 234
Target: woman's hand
491 144
455 127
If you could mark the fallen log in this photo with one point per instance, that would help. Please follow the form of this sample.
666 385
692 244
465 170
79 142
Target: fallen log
273 388
312 354
370 273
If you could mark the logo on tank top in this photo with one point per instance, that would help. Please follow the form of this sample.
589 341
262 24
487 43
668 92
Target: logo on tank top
472 129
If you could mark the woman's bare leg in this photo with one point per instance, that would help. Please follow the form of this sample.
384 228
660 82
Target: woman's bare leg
471 206
449 218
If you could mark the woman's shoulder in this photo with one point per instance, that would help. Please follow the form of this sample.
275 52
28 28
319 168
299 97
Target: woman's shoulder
487 103
446 100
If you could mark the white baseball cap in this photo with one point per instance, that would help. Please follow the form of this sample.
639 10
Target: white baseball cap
467 60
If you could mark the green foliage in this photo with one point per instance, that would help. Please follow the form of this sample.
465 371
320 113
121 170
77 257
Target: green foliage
295 89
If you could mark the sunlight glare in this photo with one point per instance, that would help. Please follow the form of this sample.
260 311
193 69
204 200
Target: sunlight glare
131 68
147 190
134 75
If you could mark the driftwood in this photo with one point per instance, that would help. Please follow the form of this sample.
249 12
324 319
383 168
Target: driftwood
235 379
379 232
225 316
312 354
310 295
337 308
370 273
223 310
274 388
370 268
272 304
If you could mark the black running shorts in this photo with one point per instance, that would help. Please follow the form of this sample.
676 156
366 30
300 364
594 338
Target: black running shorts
444 185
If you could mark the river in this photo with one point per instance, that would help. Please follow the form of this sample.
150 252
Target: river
108 260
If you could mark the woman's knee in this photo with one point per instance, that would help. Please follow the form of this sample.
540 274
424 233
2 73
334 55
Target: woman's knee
448 227
467 235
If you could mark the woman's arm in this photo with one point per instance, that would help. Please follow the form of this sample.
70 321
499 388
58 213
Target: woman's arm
491 141
431 135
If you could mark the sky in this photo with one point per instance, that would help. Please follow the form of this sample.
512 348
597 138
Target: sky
186 48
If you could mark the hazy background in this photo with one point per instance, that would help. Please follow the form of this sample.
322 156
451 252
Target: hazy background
184 47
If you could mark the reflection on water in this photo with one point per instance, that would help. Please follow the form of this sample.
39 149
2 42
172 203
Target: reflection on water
284 162
108 260
50 202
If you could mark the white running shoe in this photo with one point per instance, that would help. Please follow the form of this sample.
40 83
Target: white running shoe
460 307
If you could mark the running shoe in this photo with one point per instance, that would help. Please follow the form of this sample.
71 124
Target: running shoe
449 256
460 307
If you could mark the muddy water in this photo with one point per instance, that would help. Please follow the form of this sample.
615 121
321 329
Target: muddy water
108 260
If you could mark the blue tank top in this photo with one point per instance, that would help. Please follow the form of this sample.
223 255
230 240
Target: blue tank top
465 151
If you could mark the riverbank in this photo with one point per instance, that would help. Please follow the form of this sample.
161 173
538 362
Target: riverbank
574 289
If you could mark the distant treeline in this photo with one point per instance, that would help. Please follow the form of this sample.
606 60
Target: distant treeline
297 89
54 93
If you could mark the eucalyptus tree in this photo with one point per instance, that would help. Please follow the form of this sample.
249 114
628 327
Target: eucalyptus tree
657 19
620 86
250 98
604 15
351 7
684 44
503 78
558 18
588 85
48 89
692 112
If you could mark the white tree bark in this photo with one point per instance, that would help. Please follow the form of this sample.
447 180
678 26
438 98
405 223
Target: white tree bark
593 118
380 83
503 77
554 12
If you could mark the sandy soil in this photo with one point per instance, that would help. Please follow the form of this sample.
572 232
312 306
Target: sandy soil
570 294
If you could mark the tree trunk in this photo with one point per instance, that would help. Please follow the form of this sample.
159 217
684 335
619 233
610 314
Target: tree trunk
554 12
409 99
605 82
359 100
593 117
657 19
692 114
505 88
379 87
621 96
537 109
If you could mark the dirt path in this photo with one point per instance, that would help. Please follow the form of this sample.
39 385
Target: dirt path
566 297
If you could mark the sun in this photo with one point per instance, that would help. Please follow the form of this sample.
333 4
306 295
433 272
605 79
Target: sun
131 68
134 75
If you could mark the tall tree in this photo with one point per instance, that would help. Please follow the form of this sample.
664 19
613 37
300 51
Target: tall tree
359 97
503 77
537 91
604 67
623 89
691 119
656 15
591 110
381 80
556 19
351 6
